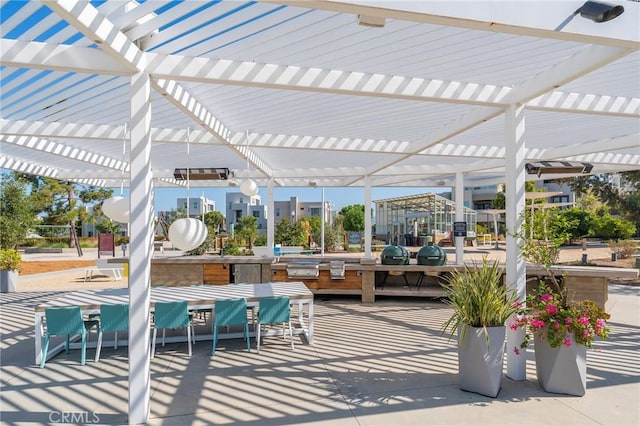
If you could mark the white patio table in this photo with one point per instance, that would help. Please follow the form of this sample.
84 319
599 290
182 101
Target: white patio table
197 296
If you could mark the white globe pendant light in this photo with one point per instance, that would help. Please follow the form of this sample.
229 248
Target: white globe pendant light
187 233
248 187
116 208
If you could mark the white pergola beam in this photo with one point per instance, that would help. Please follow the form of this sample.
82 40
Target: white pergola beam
172 67
188 104
88 20
65 58
584 103
99 132
517 17
65 151
27 166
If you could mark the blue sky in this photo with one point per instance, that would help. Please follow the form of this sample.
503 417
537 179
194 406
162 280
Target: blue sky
165 198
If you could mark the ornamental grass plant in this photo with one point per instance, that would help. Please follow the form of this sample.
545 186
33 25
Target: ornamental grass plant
478 298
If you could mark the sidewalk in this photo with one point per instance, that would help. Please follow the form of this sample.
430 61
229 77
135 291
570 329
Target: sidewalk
372 364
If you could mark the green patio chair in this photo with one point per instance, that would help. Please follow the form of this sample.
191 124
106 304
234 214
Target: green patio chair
171 315
274 310
66 321
230 312
113 318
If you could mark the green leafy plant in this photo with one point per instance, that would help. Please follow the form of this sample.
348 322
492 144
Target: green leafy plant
478 298
10 260
548 313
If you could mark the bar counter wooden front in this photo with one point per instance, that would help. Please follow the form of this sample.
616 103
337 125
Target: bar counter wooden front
363 277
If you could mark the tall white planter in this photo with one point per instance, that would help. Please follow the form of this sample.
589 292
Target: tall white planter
479 363
8 281
562 369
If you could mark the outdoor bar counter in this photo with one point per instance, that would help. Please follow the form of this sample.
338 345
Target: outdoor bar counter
366 278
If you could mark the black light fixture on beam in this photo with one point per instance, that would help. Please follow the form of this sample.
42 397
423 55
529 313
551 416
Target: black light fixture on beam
599 11
558 167
207 173
596 11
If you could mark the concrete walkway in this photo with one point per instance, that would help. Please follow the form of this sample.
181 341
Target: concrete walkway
379 364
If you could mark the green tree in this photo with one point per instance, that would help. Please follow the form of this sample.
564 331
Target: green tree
247 229
289 233
618 191
353 218
65 203
572 223
214 220
106 226
607 226
17 216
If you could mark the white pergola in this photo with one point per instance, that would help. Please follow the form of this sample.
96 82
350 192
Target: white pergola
445 93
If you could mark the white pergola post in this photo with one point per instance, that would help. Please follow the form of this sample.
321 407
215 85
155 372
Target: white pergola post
516 272
270 218
141 252
322 223
367 217
459 216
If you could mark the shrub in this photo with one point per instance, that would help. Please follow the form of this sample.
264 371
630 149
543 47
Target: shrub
624 248
10 260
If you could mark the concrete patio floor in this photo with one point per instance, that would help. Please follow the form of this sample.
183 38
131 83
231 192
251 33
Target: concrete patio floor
371 364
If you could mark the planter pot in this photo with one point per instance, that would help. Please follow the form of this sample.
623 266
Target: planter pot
8 281
479 364
562 369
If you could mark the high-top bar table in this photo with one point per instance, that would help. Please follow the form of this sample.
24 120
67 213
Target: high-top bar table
197 296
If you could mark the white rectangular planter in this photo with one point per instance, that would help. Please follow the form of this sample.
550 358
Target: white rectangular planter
479 363
562 369
8 281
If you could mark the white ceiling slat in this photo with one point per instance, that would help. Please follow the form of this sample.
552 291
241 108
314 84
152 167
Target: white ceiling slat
27 9
135 32
405 105
186 27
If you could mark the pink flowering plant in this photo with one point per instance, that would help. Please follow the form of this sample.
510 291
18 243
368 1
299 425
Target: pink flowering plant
548 315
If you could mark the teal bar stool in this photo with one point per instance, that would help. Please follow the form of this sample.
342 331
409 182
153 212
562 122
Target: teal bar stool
230 312
113 318
171 315
274 310
66 321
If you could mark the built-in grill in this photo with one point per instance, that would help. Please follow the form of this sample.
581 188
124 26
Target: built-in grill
303 269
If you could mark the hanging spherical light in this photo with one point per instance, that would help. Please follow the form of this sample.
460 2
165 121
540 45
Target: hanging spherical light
248 187
187 233
116 208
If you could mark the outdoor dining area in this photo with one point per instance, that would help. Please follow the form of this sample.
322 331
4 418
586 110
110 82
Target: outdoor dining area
75 314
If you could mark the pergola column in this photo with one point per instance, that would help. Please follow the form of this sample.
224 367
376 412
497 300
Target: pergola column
367 217
459 216
516 272
141 240
270 217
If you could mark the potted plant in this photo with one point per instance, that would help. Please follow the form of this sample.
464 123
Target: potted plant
481 307
562 329
9 268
